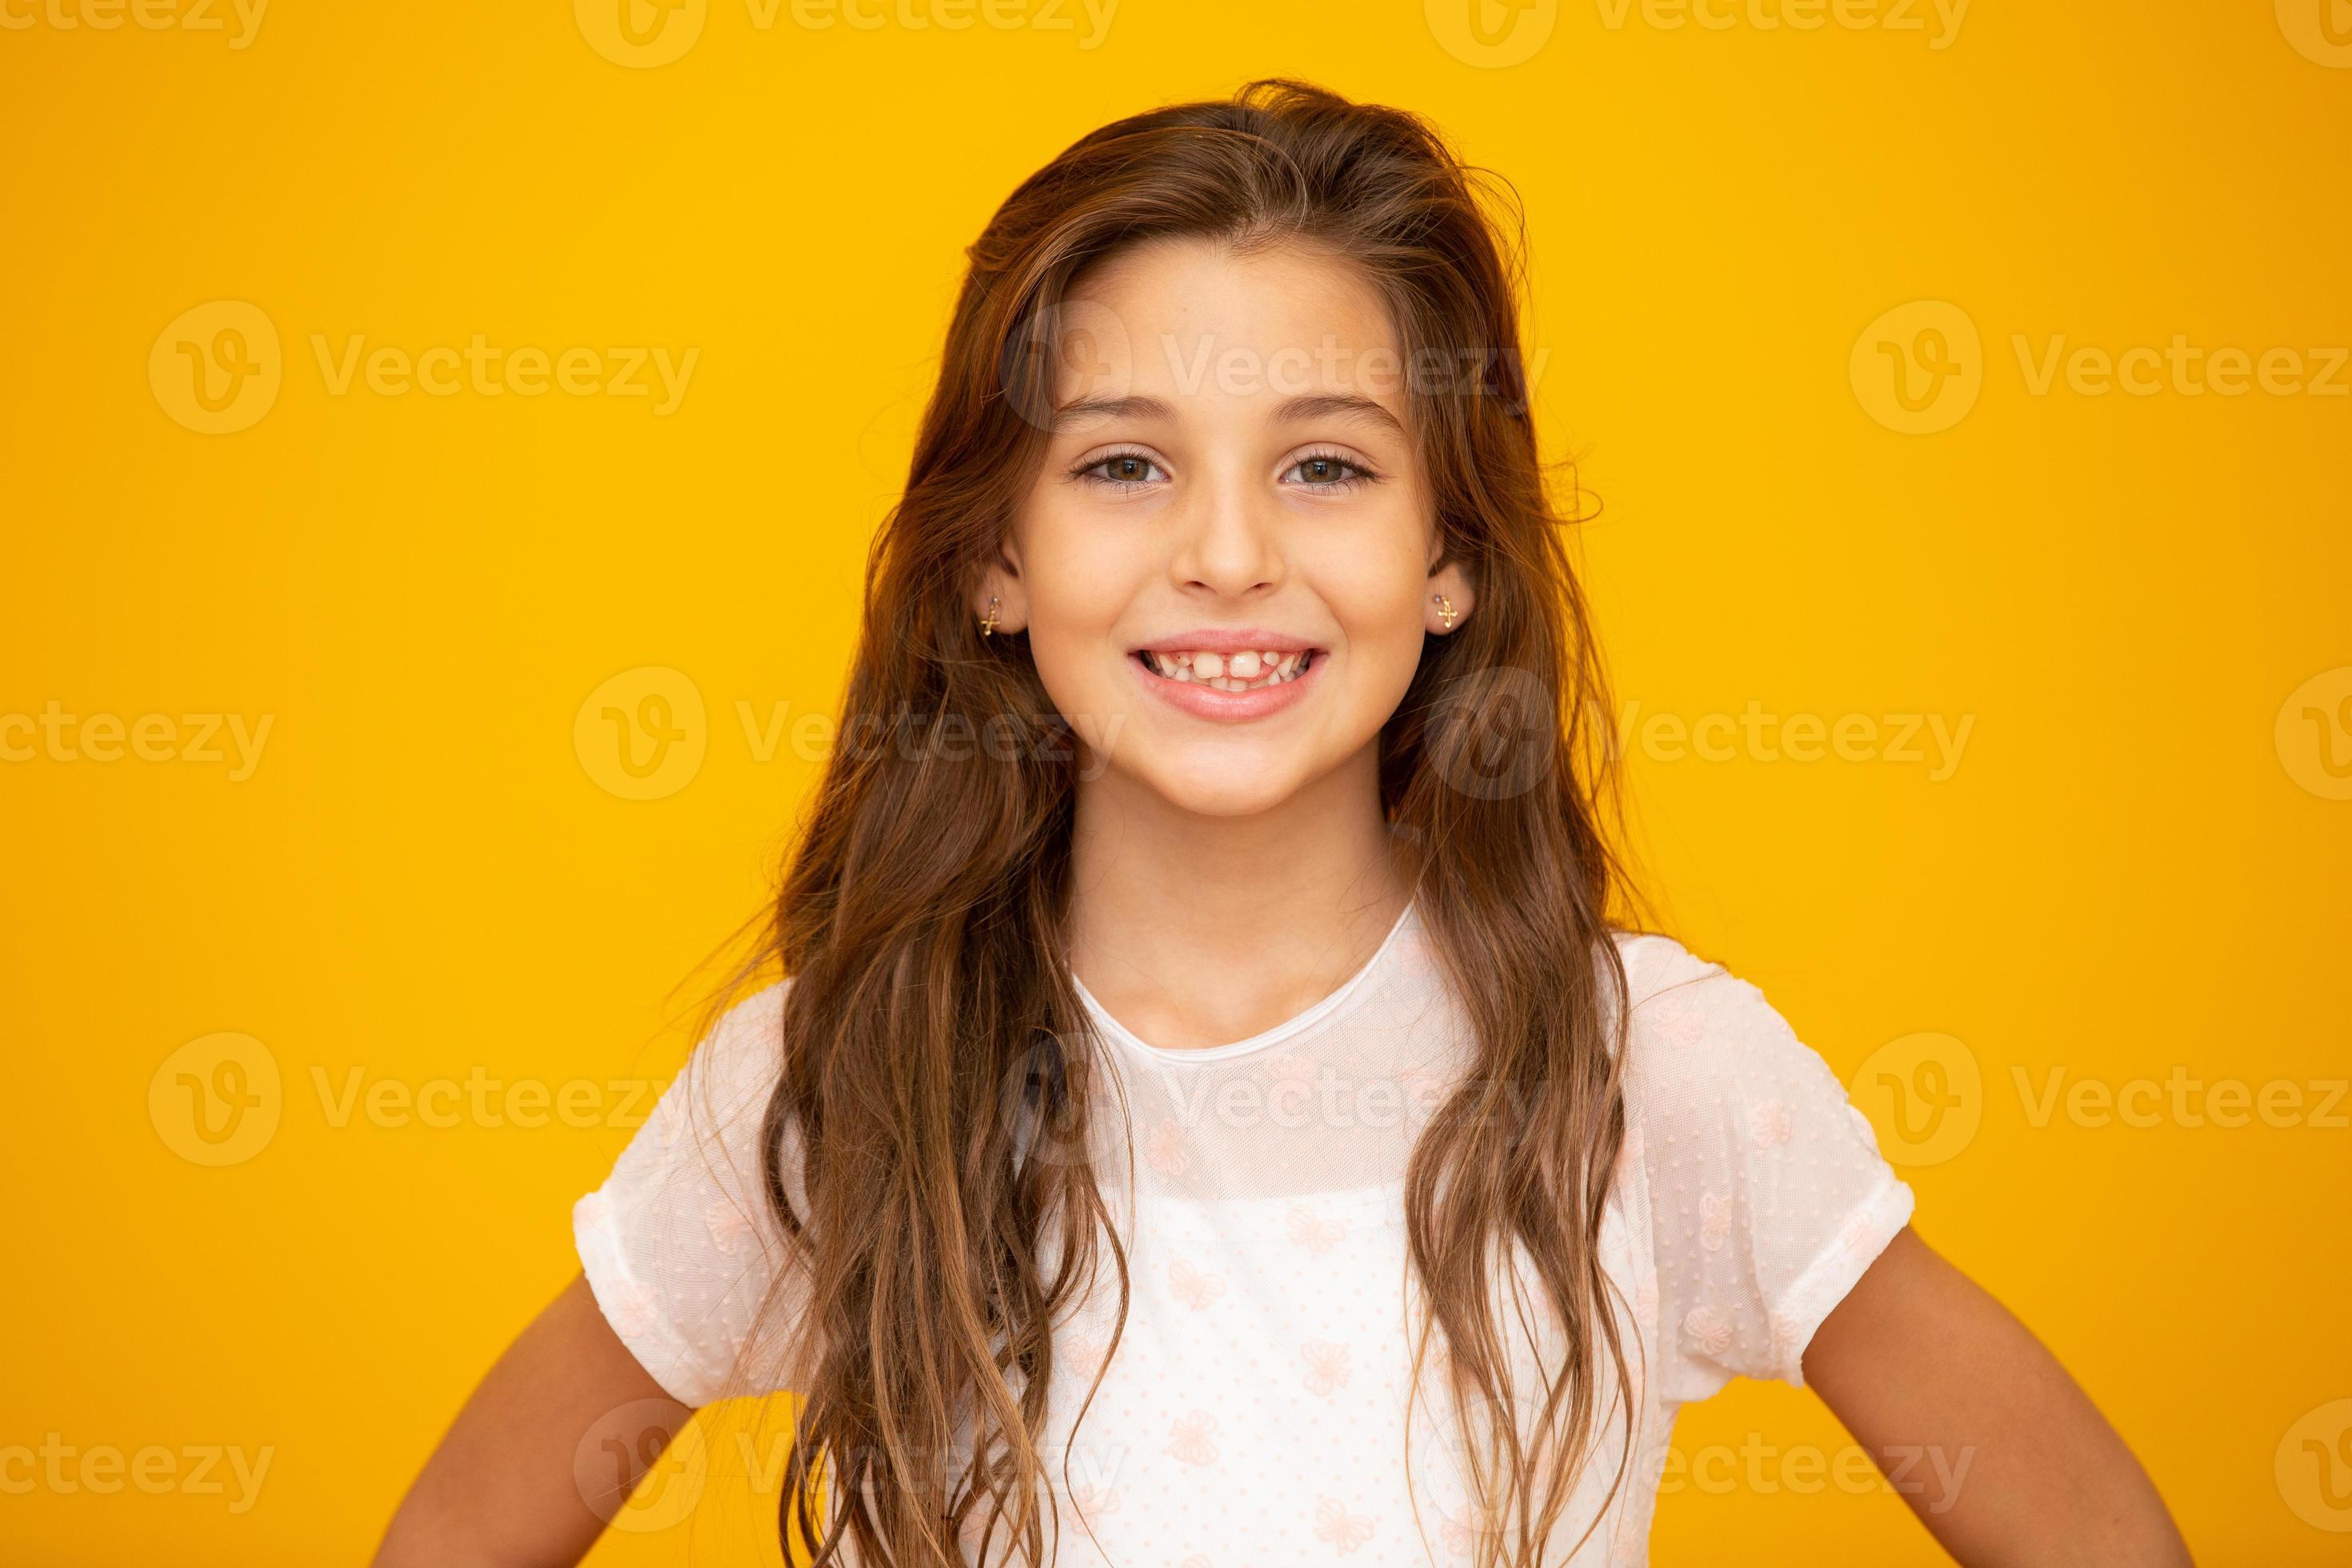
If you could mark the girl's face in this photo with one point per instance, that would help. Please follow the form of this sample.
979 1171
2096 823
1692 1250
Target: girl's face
1227 560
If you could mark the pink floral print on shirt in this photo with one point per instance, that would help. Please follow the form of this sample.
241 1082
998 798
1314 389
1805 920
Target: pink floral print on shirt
1315 1232
1192 1438
1346 1532
1327 1366
1195 1286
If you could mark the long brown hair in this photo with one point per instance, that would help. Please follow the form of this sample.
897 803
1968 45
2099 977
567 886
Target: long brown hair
924 915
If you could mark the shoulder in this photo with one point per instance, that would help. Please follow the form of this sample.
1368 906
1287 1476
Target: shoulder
1699 1034
733 1068
1679 1000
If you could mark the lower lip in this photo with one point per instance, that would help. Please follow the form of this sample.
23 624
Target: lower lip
1226 707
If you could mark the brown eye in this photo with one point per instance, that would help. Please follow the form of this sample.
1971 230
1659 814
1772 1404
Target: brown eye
1326 471
1123 470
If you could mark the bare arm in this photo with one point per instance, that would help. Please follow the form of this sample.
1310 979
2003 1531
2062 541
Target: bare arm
502 1489
2001 1455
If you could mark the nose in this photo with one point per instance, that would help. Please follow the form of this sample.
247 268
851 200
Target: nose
1227 541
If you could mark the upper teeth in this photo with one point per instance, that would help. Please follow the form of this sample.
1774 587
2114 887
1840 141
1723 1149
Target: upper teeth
1240 671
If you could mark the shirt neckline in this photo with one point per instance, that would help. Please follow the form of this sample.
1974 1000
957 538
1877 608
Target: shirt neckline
1337 1000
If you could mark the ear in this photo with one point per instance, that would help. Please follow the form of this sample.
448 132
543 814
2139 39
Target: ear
1449 587
1003 584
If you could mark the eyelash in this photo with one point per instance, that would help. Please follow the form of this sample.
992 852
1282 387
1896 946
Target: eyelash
1356 473
1089 467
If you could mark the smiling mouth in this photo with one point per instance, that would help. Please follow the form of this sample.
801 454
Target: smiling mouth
1244 671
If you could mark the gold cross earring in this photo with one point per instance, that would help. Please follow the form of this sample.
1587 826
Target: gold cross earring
1444 610
988 627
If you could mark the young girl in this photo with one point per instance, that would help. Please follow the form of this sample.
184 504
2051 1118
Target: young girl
1211 1117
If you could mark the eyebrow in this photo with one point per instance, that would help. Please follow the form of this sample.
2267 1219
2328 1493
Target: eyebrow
1325 405
1137 407
1338 406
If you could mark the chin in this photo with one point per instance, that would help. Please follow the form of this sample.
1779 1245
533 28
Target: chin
1215 782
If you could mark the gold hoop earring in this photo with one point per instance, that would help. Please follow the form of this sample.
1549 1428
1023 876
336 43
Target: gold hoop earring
1444 610
988 625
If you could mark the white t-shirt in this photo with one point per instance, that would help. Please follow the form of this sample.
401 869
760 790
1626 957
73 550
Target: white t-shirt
1256 1410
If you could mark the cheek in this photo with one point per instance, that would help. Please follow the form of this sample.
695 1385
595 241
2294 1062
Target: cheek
1080 576
1376 593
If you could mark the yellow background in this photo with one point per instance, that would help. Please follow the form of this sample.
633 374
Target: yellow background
2139 863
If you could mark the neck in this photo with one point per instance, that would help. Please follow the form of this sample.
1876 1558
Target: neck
1198 931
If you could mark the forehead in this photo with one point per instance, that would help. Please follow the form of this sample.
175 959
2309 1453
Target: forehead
1188 321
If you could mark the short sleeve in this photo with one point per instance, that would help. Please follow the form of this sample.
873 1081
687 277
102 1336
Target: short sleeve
678 1246
1767 1195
